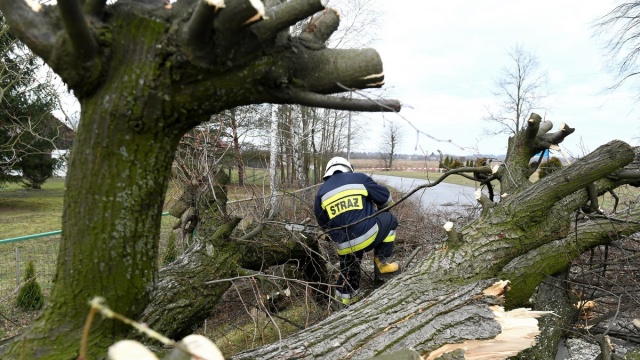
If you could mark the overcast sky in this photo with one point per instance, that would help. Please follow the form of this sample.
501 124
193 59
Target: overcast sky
441 59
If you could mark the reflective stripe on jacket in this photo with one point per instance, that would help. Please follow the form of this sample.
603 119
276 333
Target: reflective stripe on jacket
344 199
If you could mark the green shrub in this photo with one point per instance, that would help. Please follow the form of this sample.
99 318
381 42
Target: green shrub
549 167
171 253
30 296
455 163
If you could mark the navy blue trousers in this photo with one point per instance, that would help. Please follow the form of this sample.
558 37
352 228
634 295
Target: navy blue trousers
349 281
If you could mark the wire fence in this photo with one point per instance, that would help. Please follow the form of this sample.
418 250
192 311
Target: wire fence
27 269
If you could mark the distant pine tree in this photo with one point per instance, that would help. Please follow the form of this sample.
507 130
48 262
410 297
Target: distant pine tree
27 128
30 296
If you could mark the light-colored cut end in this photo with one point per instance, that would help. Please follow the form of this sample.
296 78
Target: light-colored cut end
504 195
202 347
128 350
380 83
259 6
448 226
495 168
498 288
478 194
519 329
35 6
554 147
216 3
373 76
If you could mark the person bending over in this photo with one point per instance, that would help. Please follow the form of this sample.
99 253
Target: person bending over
342 202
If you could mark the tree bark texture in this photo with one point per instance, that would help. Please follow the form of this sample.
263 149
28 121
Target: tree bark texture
190 287
513 240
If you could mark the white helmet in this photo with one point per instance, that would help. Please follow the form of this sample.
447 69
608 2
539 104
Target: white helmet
337 164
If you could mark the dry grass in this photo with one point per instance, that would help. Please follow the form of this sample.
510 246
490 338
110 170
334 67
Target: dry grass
240 321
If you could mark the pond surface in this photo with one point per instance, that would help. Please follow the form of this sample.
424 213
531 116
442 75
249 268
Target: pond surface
443 194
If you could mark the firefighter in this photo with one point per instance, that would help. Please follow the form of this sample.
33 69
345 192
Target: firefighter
343 201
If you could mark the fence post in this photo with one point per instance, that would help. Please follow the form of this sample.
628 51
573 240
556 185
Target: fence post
17 267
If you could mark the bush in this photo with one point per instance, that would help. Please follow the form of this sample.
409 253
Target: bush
549 167
455 163
30 296
171 253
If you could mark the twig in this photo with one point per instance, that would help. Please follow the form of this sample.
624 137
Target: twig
402 117
97 305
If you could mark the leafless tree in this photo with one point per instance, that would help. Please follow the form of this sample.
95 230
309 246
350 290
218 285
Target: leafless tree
519 89
621 28
392 136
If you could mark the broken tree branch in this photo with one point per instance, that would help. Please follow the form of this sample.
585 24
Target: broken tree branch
32 26
197 31
308 98
320 29
282 16
94 7
82 40
237 14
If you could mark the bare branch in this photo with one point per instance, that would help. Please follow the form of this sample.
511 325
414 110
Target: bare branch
82 39
94 7
483 200
453 237
320 29
308 98
533 125
584 171
282 16
558 136
32 27
544 127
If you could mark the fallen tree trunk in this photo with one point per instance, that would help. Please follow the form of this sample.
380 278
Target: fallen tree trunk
189 288
442 300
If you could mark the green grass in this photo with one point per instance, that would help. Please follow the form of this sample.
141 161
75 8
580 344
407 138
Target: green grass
27 212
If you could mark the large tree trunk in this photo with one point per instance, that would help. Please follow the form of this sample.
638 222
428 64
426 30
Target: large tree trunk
113 201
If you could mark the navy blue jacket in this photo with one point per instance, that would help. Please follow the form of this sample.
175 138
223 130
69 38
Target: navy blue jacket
345 198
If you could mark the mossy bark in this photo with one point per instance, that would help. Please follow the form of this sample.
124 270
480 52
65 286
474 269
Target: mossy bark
440 301
115 189
190 287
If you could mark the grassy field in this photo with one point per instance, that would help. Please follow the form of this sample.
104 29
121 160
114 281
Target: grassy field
368 166
26 212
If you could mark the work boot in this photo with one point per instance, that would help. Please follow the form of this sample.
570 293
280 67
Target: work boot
384 270
343 300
